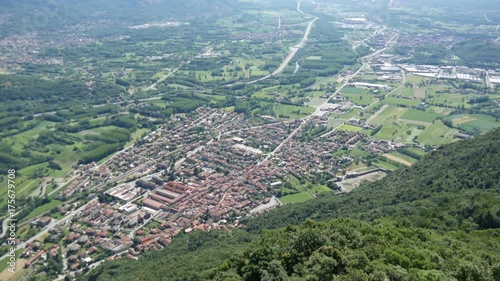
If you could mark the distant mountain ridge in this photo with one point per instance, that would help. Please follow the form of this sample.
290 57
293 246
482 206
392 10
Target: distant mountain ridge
24 16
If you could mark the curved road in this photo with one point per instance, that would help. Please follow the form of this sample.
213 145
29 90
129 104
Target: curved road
5 224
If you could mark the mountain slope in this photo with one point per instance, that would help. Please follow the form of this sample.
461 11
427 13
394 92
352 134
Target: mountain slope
437 220
346 249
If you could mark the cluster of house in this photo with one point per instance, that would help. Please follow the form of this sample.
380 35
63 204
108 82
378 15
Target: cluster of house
207 52
380 38
243 37
359 22
25 49
162 57
409 42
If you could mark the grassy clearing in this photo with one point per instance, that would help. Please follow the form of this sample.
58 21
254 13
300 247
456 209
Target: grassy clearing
420 93
262 95
458 120
212 97
298 197
300 191
43 208
398 131
440 110
358 152
350 128
480 125
334 123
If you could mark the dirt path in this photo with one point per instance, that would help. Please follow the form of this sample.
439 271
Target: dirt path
397 159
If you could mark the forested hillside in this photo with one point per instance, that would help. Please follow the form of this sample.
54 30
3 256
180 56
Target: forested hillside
438 220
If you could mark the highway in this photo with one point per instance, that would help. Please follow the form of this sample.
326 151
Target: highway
153 86
293 50
366 60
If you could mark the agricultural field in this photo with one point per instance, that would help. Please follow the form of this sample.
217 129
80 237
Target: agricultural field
353 90
293 111
391 113
416 151
350 114
360 99
397 159
410 78
263 95
349 128
440 110
406 92
399 101
420 116
420 93
473 123
452 100
437 134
